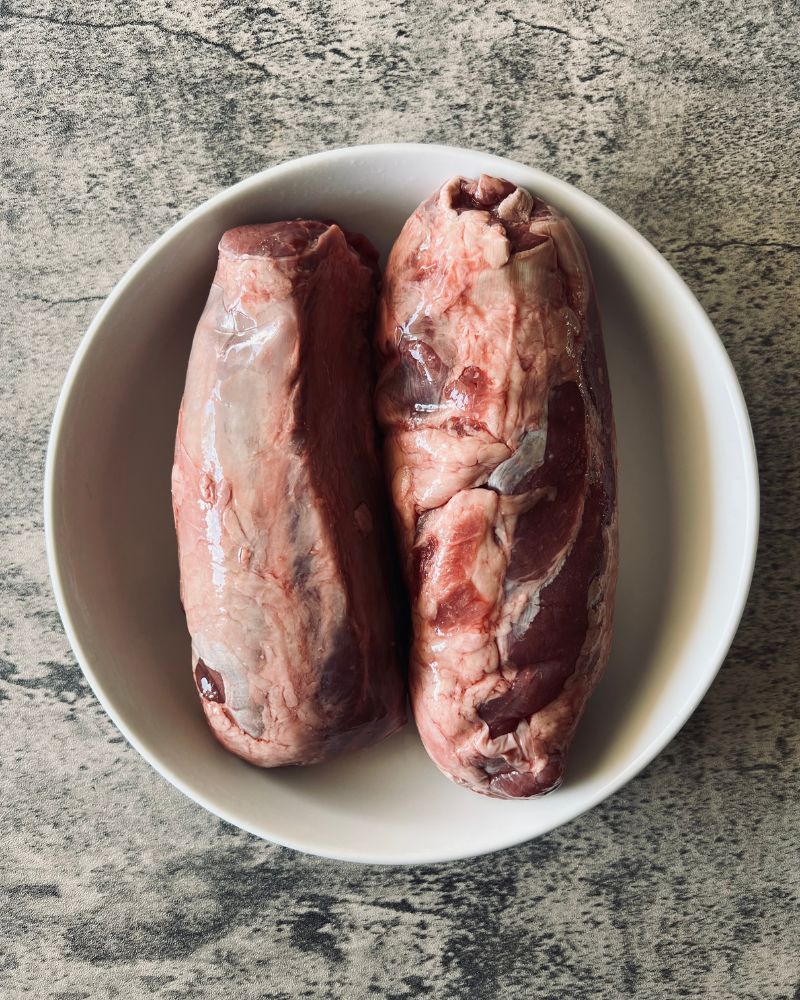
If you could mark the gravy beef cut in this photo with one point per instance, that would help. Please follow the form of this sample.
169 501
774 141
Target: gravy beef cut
279 503
495 402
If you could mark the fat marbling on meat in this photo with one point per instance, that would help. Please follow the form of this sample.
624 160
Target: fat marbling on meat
279 501
500 450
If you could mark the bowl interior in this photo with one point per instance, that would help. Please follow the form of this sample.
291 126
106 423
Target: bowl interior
687 520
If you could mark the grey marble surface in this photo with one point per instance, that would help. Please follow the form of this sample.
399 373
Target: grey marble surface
119 117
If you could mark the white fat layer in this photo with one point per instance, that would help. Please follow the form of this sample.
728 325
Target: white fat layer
528 456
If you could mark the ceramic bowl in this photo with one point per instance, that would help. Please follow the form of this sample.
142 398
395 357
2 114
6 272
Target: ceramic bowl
688 522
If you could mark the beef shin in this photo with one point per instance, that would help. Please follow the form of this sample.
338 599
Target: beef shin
279 501
500 448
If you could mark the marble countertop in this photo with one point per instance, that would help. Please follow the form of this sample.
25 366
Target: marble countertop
117 119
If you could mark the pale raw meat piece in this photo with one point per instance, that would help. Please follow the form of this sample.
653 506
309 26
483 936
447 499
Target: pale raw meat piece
495 403
279 501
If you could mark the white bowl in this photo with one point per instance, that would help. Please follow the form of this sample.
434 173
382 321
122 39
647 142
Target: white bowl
688 522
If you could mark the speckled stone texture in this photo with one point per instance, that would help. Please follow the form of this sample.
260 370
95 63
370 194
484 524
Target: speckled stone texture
119 117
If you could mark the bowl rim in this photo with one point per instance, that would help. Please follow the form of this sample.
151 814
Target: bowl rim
750 491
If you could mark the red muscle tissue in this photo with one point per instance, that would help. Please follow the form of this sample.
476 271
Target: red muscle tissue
494 400
279 501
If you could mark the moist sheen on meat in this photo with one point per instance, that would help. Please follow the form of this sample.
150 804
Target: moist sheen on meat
279 501
495 403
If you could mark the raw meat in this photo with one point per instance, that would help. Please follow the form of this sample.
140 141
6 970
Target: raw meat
279 501
500 450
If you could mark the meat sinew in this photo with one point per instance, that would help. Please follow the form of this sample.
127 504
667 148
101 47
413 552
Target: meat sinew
500 449
279 501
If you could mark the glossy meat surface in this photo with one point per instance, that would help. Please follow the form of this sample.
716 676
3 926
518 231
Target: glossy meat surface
494 399
279 501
